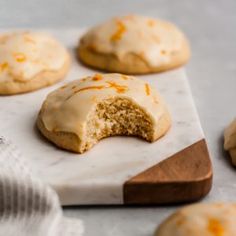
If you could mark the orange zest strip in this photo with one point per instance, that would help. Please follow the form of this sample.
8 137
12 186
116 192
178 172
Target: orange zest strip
85 88
89 87
3 66
215 227
97 77
20 57
117 87
147 89
120 31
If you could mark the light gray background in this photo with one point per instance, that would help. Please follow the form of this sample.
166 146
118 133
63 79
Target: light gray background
211 28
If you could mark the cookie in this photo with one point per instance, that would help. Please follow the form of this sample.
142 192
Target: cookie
214 219
30 61
230 140
79 114
134 45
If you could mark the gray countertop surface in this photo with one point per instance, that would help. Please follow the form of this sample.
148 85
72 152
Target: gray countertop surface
211 28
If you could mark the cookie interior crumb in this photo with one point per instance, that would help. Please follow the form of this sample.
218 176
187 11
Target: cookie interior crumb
117 116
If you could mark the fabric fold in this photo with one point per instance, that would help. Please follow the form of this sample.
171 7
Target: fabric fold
28 207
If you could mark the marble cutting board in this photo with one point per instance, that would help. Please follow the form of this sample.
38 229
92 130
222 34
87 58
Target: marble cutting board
106 174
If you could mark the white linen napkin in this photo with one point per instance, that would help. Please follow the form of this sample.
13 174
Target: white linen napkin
27 206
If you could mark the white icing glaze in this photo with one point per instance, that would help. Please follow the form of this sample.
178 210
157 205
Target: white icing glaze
25 54
151 39
68 108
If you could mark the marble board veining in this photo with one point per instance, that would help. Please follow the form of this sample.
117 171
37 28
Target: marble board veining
98 176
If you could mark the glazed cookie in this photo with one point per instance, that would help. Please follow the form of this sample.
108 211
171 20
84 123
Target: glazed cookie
215 219
79 114
30 61
230 140
134 45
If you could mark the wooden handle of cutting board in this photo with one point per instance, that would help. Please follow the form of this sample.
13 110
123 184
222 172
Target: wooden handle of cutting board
184 177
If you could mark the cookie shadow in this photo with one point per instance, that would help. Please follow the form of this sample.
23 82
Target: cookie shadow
75 54
38 134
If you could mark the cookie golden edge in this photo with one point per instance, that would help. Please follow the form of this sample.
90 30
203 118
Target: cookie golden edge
43 79
65 140
232 153
71 142
229 140
131 63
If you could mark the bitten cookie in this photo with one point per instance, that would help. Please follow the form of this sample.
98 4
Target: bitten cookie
134 45
79 114
30 61
214 219
230 140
